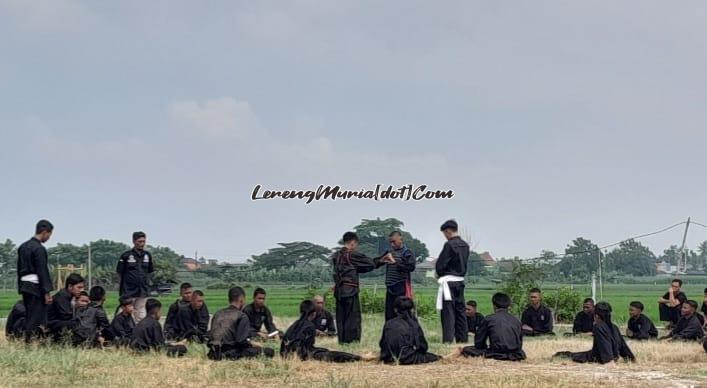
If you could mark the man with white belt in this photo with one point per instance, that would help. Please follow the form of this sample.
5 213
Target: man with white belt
451 268
134 269
34 281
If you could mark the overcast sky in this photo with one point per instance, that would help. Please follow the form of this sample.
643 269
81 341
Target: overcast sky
549 120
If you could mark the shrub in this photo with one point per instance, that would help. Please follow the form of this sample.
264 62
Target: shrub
372 301
564 303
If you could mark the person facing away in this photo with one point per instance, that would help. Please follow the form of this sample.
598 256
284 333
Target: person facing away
323 320
688 328
33 280
536 318
147 335
473 317
403 340
259 315
15 324
185 292
584 320
230 334
640 327
608 344
190 322
348 263
670 304
61 312
97 295
451 268
704 304
134 269
123 323
397 274
499 336
300 337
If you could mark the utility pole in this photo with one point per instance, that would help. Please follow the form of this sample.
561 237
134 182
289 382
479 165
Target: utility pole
601 281
594 287
682 260
90 279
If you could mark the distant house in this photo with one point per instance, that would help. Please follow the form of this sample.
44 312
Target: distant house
488 260
212 262
427 267
190 264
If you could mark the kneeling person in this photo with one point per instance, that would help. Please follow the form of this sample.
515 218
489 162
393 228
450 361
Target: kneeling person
148 336
190 322
403 340
502 331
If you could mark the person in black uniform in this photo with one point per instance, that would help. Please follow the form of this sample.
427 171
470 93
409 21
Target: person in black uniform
323 321
61 312
397 274
473 316
403 340
123 323
134 269
300 337
33 280
688 327
190 322
501 330
537 318
584 320
451 269
15 324
185 292
347 264
259 315
670 304
230 333
640 327
97 294
147 335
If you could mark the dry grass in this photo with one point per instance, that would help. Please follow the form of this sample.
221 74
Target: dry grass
659 364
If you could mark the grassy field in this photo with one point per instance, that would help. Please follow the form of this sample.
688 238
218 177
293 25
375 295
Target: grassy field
658 365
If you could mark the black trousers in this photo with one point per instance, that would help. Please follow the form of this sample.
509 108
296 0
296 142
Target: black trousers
232 353
348 319
36 316
392 293
326 355
454 325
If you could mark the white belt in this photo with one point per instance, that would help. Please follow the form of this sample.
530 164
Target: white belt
443 292
31 278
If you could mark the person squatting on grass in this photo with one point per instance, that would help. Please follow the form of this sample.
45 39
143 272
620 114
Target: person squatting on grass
148 336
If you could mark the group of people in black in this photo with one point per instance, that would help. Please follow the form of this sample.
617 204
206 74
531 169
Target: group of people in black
75 316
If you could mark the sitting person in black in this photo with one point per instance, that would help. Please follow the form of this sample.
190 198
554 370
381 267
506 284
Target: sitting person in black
15 324
259 315
123 323
403 340
584 320
190 322
537 318
640 327
90 322
147 335
60 315
324 321
688 328
670 304
473 317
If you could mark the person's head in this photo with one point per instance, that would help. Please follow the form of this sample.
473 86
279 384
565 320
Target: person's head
185 291
318 301
127 306
197 300
688 308
307 310
43 231
82 299
535 296
153 308
350 241
259 297
500 301
602 312
588 305
97 294
635 309
705 297
676 284
470 308
449 229
236 297
74 284
403 305
139 240
395 238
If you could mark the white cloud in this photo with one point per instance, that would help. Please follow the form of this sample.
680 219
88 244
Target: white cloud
222 118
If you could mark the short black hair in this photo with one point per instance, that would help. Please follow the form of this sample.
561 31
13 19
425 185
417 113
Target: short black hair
184 286
84 293
97 293
198 293
705 290
235 293
403 304
152 305
73 279
395 233
124 301
587 300
449 224
691 303
678 281
501 300
637 305
137 235
306 307
43 226
259 291
350 236
535 290
471 303
603 311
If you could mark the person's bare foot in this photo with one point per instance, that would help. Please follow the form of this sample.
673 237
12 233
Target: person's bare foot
455 354
370 356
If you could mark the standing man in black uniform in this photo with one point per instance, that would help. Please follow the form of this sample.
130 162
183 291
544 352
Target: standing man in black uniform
134 269
397 274
348 263
34 281
451 269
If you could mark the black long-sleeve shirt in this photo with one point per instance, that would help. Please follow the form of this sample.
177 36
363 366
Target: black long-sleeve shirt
32 260
502 331
259 317
641 328
61 308
147 335
189 323
583 323
540 320
474 322
134 268
454 258
230 329
15 324
347 265
123 326
687 329
608 344
404 265
325 322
